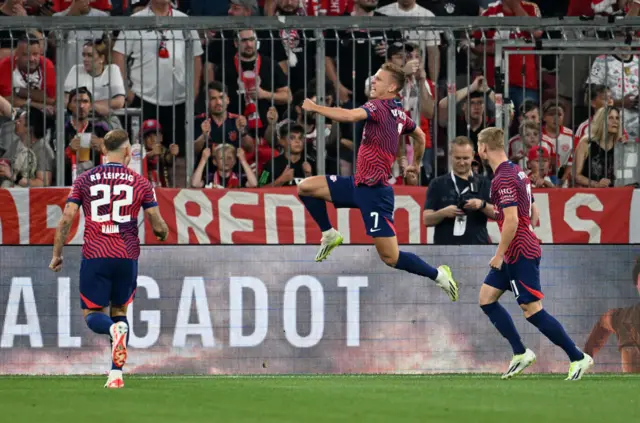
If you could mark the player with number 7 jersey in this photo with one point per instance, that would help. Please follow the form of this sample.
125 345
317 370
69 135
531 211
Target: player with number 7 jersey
111 196
369 190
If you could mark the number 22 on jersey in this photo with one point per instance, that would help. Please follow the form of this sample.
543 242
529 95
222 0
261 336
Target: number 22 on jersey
103 194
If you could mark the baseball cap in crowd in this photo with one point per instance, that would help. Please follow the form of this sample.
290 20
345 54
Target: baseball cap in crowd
537 153
150 126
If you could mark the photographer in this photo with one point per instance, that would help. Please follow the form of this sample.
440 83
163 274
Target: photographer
458 202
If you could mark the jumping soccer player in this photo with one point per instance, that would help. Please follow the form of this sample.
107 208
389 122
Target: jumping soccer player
369 190
516 265
111 196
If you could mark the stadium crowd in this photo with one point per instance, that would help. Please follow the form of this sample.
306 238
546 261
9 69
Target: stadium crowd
250 129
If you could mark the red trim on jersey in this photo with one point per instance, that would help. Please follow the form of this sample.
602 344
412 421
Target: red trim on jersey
539 295
90 304
391 225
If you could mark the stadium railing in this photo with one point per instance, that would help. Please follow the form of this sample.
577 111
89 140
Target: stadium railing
560 50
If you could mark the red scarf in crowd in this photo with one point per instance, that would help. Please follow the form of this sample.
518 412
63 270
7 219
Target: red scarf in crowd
251 104
232 180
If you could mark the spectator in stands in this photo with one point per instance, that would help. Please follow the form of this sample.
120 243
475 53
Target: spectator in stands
427 41
102 5
596 96
102 79
159 56
529 111
539 165
8 38
221 174
449 8
574 69
521 87
521 144
254 82
457 203
556 137
28 78
290 167
619 73
158 159
82 136
294 50
473 118
220 126
347 72
594 164
73 44
34 160
219 55
334 7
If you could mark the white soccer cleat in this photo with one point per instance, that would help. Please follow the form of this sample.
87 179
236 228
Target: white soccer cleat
330 240
580 367
118 332
445 281
519 363
115 380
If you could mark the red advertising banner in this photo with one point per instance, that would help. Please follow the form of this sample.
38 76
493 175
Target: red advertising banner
276 216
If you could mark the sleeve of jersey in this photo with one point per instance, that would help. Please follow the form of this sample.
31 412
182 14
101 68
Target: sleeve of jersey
149 198
507 194
372 111
75 196
409 126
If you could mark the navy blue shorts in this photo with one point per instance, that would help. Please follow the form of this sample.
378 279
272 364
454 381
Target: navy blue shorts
521 277
107 281
376 203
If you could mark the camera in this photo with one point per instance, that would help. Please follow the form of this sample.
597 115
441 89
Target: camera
467 195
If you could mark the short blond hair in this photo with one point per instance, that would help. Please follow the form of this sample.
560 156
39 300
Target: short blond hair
397 73
528 125
460 141
223 148
492 137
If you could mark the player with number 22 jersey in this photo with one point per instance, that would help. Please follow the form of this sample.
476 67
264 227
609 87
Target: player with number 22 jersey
111 196
516 264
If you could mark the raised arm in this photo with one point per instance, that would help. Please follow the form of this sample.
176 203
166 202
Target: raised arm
336 114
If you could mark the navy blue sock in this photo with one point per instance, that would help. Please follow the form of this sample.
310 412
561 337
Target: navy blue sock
117 319
99 323
414 264
317 208
502 320
552 329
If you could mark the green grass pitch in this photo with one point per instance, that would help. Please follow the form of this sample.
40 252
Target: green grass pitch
302 399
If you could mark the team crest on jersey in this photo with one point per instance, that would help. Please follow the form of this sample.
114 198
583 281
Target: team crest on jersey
233 136
450 8
333 178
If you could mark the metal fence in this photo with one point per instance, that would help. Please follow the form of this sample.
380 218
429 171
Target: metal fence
463 74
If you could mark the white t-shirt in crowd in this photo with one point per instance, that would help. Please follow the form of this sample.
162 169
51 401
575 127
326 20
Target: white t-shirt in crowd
622 78
75 42
105 86
147 67
424 38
